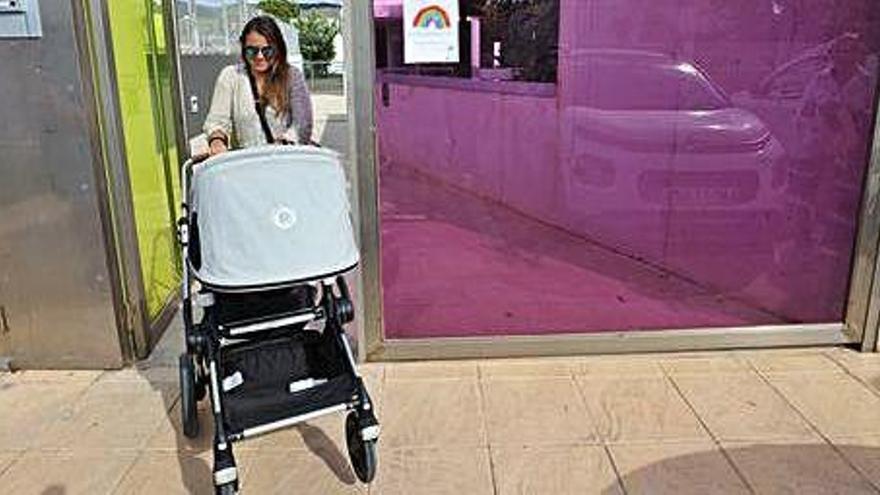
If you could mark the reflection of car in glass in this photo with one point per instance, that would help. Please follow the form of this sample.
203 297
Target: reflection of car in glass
820 106
777 97
657 159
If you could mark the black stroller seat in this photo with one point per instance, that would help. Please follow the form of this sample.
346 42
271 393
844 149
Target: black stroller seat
235 308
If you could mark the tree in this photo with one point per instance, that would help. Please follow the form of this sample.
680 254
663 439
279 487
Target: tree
316 36
529 34
285 10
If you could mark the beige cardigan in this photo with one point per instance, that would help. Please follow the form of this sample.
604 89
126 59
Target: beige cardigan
232 110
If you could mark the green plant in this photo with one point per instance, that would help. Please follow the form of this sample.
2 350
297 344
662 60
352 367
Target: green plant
528 31
316 36
284 10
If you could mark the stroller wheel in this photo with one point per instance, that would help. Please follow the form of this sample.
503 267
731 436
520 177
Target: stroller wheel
362 453
188 410
226 489
201 385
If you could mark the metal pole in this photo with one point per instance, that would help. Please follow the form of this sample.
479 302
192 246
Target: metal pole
360 77
863 305
194 26
224 15
121 228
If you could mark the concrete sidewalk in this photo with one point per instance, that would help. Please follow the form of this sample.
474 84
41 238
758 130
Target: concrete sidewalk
800 421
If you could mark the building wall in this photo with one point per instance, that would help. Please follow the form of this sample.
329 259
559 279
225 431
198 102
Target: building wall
56 300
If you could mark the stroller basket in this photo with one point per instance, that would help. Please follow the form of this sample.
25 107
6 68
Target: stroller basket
280 378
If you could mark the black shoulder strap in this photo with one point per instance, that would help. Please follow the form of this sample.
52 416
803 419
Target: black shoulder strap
259 106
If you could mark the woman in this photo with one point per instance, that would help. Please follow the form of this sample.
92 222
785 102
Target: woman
282 94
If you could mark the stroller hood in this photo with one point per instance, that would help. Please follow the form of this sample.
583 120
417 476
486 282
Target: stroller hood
270 216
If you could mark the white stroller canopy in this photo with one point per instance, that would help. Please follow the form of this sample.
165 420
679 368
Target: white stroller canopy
270 216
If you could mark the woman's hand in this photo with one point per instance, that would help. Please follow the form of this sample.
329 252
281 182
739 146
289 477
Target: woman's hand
217 147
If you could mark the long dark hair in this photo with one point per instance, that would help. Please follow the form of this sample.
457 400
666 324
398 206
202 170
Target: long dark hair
275 90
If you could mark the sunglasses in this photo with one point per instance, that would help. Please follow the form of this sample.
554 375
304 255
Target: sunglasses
268 51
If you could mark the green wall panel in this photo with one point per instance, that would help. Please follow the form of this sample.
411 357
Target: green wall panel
145 97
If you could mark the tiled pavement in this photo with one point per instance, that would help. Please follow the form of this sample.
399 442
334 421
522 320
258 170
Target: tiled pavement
795 421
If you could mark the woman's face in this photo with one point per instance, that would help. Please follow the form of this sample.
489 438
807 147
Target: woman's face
259 52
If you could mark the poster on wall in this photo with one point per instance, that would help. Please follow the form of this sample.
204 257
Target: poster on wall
430 31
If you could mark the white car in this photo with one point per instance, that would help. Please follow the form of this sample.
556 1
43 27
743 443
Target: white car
658 162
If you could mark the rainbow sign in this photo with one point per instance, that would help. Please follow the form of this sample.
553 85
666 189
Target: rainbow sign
432 16
430 31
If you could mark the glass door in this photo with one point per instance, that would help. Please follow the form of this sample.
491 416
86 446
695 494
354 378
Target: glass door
589 166
143 72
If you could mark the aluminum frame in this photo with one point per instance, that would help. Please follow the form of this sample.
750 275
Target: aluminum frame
287 422
138 334
171 44
157 326
863 305
120 229
859 326
620 342
360 74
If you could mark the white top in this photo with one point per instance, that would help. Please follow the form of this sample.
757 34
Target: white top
232 110
269 216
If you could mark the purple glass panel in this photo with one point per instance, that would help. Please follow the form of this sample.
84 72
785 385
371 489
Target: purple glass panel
697 164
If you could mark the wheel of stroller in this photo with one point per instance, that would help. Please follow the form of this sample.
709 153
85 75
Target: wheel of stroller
226 489
201 383
362 453
188 408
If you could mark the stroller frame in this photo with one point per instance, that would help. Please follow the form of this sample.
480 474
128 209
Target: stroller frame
201 365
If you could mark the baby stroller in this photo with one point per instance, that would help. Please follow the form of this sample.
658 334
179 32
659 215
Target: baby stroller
266 236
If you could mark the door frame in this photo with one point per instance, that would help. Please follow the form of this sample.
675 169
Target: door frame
138 334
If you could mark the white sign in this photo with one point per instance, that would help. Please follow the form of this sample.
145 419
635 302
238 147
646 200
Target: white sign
430 31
